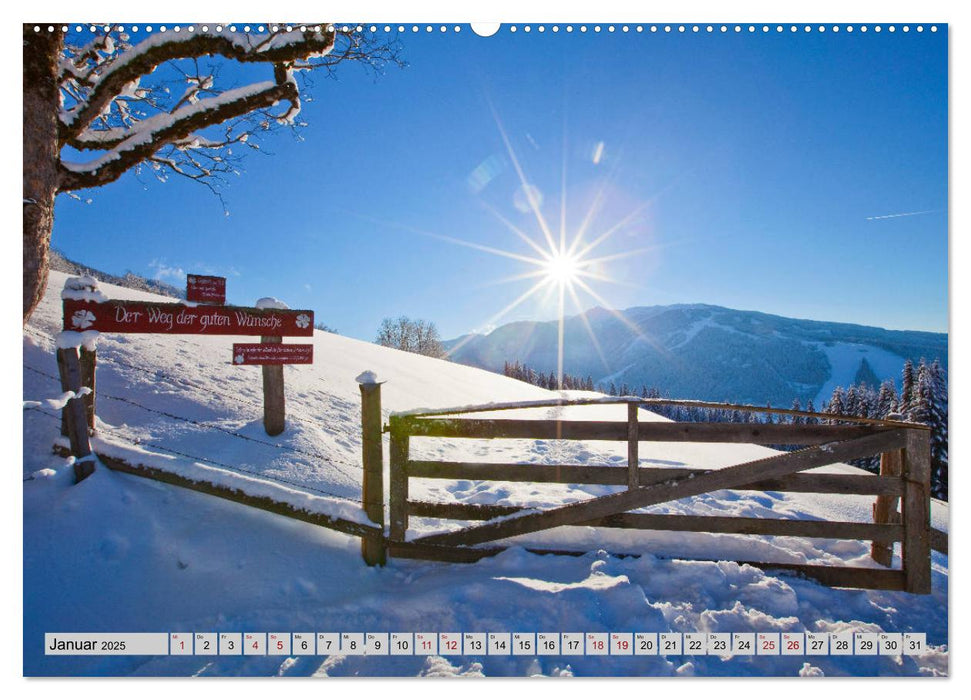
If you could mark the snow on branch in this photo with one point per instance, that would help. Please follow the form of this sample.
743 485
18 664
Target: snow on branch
150 135
143 58
154 102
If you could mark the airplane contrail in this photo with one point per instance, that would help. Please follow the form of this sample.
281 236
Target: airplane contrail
906 213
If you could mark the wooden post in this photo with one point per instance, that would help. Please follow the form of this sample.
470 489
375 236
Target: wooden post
69 366
917 512
274 401
62 371
373 549
89 364
632 457
398 486
885 508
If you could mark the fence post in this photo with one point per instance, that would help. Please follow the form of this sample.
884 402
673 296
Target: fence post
917 511
89 365
373 548
398 486
885 507
633 461
62 371
274 401
69 367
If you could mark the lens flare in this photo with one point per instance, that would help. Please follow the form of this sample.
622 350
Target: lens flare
562 268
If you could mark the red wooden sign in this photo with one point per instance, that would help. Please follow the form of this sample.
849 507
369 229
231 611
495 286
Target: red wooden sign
272 354
118 316
205 289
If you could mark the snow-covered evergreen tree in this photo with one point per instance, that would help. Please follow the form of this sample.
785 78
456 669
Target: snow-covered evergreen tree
837 403
886 399
811 408
796 406
908 381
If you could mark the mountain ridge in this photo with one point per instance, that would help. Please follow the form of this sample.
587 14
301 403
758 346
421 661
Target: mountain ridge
705 351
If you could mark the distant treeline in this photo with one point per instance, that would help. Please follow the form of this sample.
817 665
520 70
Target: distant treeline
922 398
547 381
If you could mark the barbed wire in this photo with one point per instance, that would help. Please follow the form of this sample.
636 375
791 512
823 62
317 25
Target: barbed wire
161 374
205 460
212 426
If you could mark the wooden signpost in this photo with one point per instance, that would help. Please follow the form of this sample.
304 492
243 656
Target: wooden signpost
267 353
205 289
86 309
118 316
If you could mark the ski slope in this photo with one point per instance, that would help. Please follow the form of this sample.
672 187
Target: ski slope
119 553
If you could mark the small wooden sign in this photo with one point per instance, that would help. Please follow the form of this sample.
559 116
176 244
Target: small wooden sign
272 354
118 316
205 289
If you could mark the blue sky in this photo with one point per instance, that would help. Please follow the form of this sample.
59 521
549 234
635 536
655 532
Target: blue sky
756 163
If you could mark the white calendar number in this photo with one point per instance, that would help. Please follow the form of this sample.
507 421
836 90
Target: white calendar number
230 644
645 644
597 643
767 644
426 643
328 643
743 643
695 643
523 644
817 644
841 643
669 643
304 644
278 644
548 643
793 643
500 643
450 644
402 643
719 643
474 643
915 643
205 643
352 643
180 644
254 644
622 643
890 643
571 644
376 644
866 643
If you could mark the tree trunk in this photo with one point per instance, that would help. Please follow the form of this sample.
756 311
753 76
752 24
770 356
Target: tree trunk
40 157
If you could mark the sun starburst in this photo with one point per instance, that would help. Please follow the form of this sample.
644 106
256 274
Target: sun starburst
566 268
561 263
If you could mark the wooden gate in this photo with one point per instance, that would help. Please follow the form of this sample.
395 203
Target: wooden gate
905 476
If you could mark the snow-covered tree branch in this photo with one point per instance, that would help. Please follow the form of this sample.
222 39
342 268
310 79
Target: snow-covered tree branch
95 109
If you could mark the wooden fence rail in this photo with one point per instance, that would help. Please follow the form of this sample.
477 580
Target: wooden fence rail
904 479
819 445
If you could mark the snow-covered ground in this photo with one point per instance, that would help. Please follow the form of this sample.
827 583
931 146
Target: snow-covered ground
119 553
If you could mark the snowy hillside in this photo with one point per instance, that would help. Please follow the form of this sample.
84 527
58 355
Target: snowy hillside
119 553
706 352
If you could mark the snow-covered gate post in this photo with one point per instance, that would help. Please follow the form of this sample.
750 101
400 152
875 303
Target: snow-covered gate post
374 548
917 511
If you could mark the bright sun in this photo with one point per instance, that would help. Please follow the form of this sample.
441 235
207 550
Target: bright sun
562 268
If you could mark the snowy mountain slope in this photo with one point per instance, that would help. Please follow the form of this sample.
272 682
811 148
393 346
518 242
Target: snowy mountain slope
706 352
145 556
